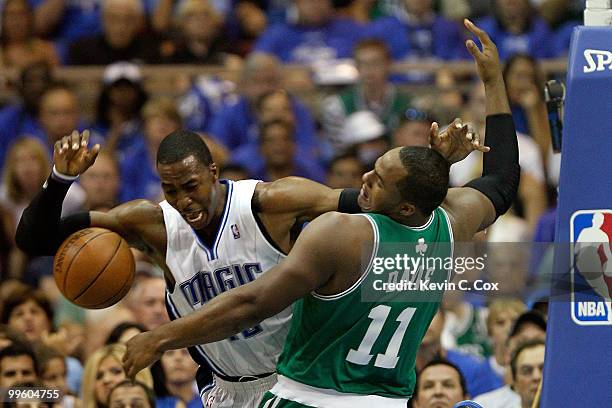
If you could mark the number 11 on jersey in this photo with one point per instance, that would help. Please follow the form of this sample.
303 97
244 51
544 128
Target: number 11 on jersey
379 316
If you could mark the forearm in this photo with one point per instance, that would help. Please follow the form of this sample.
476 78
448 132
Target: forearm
501 170
497 99
41 229
48 15
223 317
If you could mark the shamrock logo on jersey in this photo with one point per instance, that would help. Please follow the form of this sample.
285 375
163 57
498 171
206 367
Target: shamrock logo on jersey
421 247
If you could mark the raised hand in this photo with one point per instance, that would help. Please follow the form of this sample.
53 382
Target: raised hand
456 142
71 155
487 60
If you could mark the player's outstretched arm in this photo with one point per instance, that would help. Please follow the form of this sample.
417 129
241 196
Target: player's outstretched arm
41 230
476 205
312 262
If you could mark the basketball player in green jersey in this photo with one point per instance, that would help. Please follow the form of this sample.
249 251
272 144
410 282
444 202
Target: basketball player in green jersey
342 351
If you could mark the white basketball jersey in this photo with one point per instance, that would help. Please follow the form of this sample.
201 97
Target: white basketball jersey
240 254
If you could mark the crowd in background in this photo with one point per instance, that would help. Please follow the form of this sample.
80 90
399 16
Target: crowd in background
257 128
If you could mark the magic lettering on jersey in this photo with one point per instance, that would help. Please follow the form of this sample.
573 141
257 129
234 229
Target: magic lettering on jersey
205 285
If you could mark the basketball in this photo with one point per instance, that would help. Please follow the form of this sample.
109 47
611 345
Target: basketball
94 268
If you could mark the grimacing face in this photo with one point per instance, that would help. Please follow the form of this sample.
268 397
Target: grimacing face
379 192
189 187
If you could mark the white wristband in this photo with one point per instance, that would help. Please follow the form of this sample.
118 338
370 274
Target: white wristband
63 177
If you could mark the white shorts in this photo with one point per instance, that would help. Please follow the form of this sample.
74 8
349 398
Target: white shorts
225 394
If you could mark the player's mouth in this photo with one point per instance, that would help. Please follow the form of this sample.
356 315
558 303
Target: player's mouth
194 218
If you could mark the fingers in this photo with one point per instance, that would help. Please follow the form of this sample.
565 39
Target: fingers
473 49
85 138
92 154
478 32
75 140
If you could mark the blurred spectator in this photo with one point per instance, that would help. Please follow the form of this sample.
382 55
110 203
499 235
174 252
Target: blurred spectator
234 172
59 115
316 36
465 327
478 376
205 98
20 46
180 373
139 177
525 86
23 401
26 169
413 129
236 124
502 315
21 118
66 21
247 22
9 336
272 106
131 393
118 110
421 33
124 332
516 27
345 171
366 135
563 36
531 201
528 327
101 183
17 364
278 150
148 302
120 40
362 11
53 372
199 39
374 92
30 312
527 366
103 371
440 384
507 257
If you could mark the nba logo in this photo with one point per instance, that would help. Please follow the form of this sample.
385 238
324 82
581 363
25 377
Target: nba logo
591 237
235 231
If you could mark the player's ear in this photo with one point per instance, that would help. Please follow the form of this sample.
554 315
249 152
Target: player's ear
214 171
407 209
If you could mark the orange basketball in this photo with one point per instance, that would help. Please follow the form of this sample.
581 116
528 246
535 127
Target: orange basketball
94 268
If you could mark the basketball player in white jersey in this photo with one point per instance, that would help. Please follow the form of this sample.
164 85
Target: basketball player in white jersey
209 236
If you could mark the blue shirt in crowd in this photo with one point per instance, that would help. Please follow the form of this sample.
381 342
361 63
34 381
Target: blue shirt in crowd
537 41
438 38
236 125
16 122
293 43
479 376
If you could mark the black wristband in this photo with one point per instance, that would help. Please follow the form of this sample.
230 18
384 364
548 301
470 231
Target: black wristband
500 171
348 201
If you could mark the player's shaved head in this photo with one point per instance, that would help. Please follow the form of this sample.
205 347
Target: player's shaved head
181 144
426 184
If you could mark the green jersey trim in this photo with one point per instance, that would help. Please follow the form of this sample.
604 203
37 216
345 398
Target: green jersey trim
366 272
289 389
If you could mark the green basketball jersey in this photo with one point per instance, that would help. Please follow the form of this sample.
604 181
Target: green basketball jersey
364 341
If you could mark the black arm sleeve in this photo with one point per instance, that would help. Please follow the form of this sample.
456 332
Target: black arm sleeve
41 231
348 201
501 171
